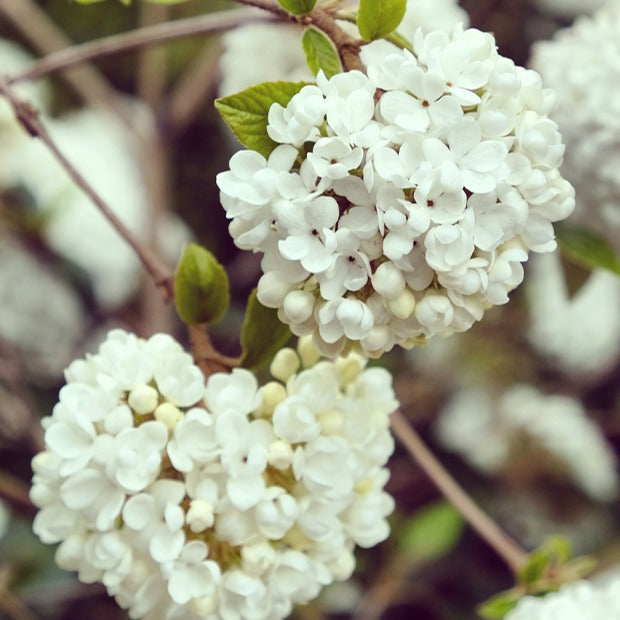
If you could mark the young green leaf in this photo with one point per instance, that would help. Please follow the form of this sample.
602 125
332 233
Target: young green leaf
201 291
246 112
587 248
320 52
298 7
499 605
262 334
432 532
378 18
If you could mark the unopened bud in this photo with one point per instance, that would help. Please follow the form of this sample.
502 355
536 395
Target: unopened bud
298 306
308 351
404 305
284 364
168 414
143 399
388 280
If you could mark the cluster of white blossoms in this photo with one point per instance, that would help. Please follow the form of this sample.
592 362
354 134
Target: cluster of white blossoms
492 433
223 501
592 348
583 64
581 600
282 56
401 204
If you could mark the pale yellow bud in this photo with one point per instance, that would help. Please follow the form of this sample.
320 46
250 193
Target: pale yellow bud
143 399
168 414
284 364
403 305
308 352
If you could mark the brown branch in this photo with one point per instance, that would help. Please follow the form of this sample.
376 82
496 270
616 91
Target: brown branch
29 119
47 38
141 37
508 549
192 89
206 357
324 19
12 606
14 492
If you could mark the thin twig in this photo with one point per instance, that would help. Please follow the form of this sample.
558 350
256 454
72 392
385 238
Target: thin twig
323 18
155 162
10 605
192 89
508 549
14 492
29 118
206 357
141 37
47 38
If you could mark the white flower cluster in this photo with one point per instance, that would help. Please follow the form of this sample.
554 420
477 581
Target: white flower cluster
282 56
491 433
225 502
583 64
581 600
580 334
401 204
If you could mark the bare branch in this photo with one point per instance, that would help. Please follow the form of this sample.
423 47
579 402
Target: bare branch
29 118
141 37
46 37
509 550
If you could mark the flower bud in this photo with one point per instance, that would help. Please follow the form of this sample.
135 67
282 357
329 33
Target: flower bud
143 399
284 364
388 280
168 414
298 306
403 305
280 454
200 515
307 351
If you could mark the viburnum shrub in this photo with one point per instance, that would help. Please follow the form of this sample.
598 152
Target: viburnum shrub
394 198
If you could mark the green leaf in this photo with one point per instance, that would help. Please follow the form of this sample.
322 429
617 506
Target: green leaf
587 248
377 18
298 7
536 566
320 52
432 532
262 334
201 291
246 112
499 605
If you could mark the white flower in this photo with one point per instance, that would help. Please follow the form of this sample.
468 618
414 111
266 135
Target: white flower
489 433
593 347
441 164
238 505
586 79
581 600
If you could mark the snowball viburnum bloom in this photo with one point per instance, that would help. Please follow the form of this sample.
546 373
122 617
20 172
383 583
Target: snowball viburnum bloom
217 500
421 187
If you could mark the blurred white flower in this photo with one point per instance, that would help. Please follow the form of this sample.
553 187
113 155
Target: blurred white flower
580 334
582 63
41 316
217 500
581 600
491 433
